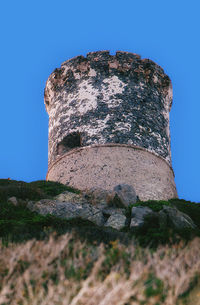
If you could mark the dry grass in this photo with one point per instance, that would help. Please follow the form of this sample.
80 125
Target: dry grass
64 271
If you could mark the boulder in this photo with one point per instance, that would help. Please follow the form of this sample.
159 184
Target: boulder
123 195
91 213
116 221
97 196
176 219
68 210
70 197
138 215
13 200
52 207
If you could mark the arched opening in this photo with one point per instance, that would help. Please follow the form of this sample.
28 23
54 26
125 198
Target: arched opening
69 142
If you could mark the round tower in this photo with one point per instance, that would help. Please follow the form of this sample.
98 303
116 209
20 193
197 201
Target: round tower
109 124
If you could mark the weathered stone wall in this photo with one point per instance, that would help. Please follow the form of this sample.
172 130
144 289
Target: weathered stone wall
105 99
109 99
106 166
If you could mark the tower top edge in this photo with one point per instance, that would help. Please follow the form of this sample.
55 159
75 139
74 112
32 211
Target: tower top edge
100 61
105 55
122 61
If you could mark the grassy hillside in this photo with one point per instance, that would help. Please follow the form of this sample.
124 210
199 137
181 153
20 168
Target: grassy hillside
45 260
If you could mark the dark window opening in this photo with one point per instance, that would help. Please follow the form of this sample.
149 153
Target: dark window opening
69 142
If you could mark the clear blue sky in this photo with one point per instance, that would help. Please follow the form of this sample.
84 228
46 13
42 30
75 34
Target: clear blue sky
37 36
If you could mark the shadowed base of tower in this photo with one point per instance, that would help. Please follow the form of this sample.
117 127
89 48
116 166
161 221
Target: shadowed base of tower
105 166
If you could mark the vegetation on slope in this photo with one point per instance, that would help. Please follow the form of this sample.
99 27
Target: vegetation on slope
74 262
65 271
17 223
35 190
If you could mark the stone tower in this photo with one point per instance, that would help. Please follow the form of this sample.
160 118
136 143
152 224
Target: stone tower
109 124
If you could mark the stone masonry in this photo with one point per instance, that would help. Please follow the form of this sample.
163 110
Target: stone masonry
109 124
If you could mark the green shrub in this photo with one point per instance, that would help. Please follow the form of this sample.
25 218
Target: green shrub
154 287
155 205
35 190
22 191
52 188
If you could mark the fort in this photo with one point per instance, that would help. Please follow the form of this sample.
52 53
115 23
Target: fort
109 124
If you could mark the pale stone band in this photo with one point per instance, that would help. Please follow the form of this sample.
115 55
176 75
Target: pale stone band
110 164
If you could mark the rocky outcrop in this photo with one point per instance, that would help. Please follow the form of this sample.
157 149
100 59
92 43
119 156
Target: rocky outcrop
68 210
111 216
114 209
